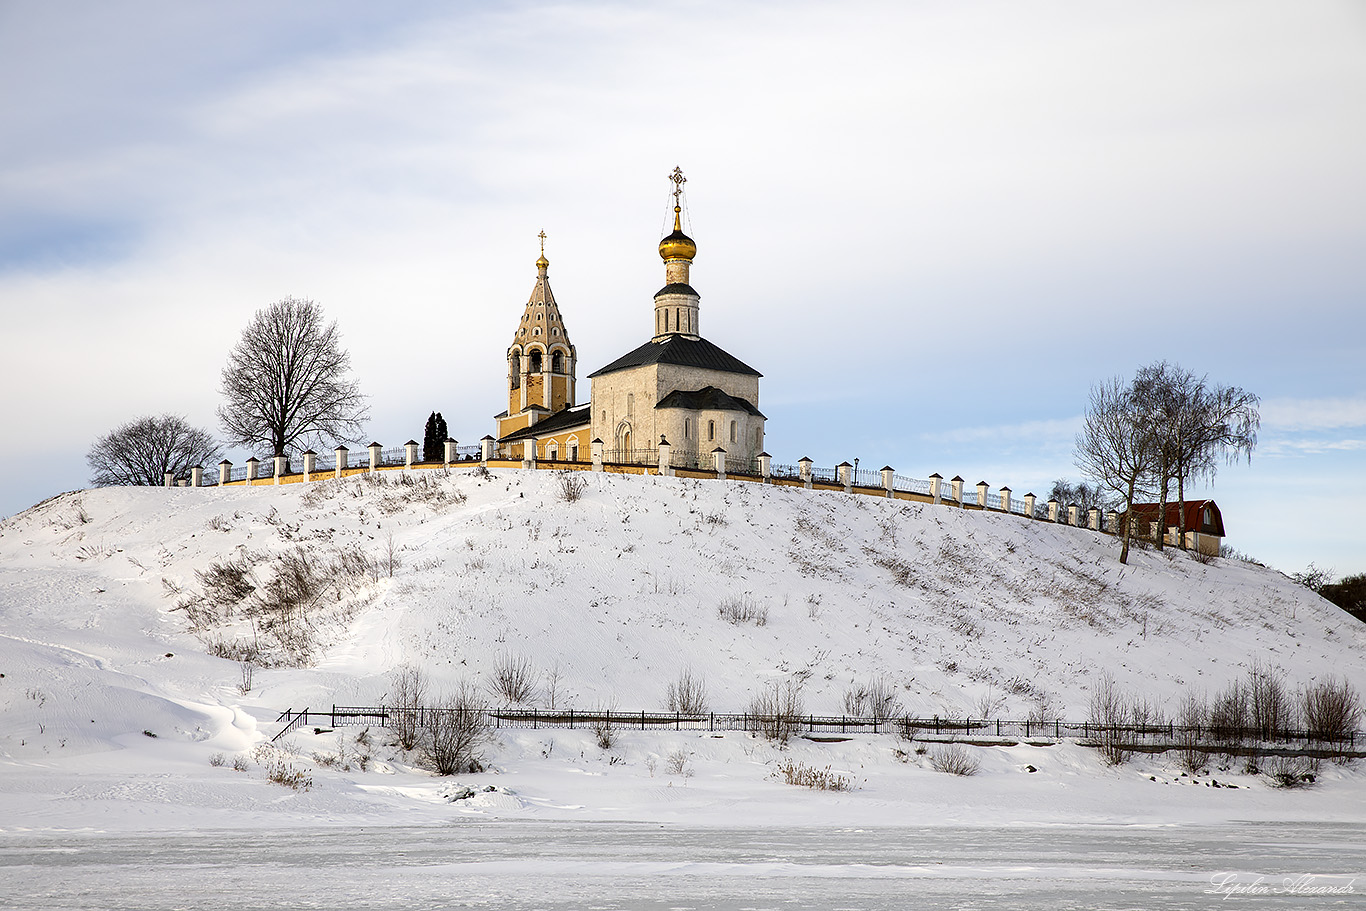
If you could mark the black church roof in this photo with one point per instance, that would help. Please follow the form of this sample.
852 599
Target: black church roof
680 351
708 398
677 288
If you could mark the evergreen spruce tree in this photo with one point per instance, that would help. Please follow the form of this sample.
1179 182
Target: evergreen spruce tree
442 434
431 449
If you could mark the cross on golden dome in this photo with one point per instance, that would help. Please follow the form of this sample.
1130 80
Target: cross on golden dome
678 179
542 262
678 246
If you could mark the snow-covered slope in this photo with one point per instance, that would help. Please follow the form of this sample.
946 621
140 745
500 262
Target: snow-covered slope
611 596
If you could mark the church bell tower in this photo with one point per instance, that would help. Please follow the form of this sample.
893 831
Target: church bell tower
541 359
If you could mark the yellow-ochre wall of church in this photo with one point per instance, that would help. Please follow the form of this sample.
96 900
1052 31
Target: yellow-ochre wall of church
562 444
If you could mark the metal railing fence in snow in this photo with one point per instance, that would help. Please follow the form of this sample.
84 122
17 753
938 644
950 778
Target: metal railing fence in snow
631 456
867 477
1172 736
910 485
824 475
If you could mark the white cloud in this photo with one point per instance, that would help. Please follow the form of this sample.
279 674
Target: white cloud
1302 447
1309 414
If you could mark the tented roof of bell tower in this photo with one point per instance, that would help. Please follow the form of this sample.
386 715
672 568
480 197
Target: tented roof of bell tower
542 313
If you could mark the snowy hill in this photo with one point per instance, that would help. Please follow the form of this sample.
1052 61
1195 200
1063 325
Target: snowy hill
114 603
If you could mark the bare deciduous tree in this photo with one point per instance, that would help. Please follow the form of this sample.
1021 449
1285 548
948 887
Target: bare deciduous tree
286 382
688 694
410 689
1080 494
775 712
454 731
1194 426
1115 447
143 451
1331 709
513 679
875 699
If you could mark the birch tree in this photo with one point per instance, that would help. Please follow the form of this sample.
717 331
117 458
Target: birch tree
1116 447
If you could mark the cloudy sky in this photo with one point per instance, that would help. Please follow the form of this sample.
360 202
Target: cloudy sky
931 225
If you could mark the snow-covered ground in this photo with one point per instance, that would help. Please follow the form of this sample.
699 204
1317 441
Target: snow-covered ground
608 599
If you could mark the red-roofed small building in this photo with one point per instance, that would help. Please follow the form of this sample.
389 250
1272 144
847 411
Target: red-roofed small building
1202 524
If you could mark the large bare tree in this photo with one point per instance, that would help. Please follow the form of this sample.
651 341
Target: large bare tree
143 451
1116 447
286 383
1195 425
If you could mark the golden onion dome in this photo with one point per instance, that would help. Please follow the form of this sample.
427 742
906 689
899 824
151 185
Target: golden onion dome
677 245
542 262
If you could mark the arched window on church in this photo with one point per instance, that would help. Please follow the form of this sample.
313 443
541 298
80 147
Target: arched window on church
535 362
557 363
733 432
515 370
711 431
687 429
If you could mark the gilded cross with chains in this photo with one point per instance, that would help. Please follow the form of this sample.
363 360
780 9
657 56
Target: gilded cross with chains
678 179
542 237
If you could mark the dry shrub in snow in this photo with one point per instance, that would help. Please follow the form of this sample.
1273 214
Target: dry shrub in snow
227 583
279 770
233 649
1192 715
1269 702
796 773
903 573
604 734
1229 713
776 711
1331 709
1292 771
677 764
285 610
954 759
570 486
513 679
742 609
1041 709
989 704
1109 710
875 699
454 731
409 686
688 694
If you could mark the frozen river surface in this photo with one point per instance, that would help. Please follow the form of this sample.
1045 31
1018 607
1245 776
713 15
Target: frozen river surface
648 866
